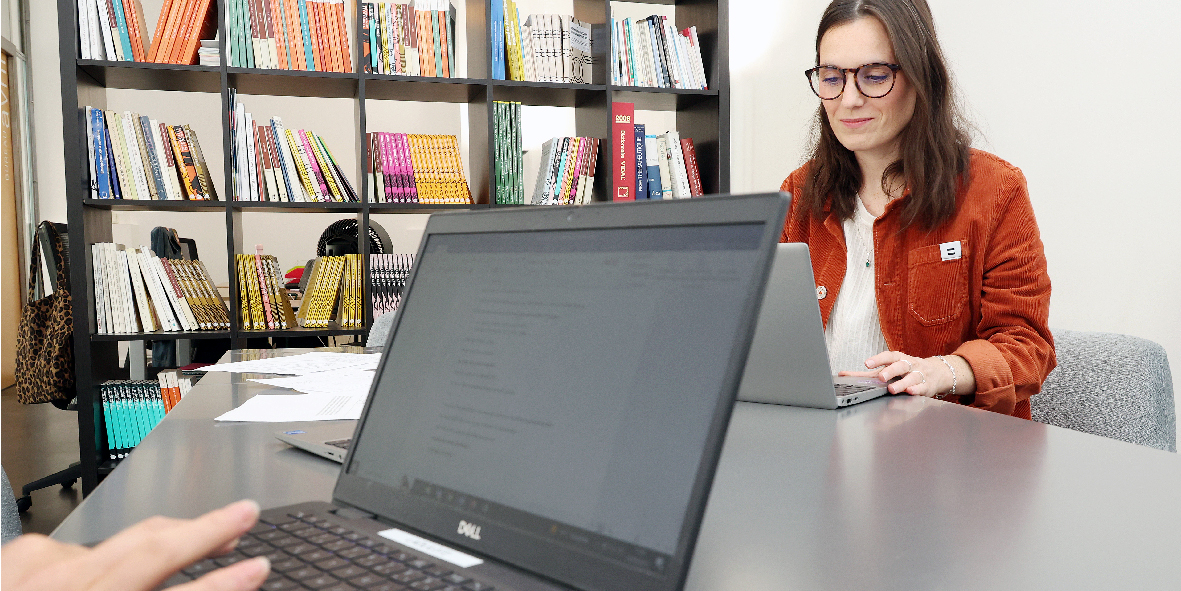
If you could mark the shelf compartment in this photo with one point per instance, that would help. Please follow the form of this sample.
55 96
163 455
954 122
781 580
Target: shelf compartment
152 76
305 207
161 335
546 93
424 89
141 205
662 99
294 83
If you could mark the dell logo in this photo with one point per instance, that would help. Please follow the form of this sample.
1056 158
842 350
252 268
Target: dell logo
470 530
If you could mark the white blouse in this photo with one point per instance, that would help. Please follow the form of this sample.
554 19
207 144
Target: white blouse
854 332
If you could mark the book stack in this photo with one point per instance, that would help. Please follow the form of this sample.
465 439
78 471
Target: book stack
273 163
132 408
567 172
510 183
288 35
115 30
651 166
388 274
412 168
209 54
412 38
134 291
323 288
669 166
651 52
134 157
542 48
262 300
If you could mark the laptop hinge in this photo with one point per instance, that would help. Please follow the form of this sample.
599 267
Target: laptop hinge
350 513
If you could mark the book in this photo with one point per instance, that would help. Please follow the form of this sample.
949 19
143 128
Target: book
641 163
388 274
623 179
652 156
689 153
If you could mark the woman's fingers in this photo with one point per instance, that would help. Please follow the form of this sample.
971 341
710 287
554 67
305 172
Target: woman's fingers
247 575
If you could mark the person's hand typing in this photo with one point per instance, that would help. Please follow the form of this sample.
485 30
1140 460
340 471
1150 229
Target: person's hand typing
140 557
917 376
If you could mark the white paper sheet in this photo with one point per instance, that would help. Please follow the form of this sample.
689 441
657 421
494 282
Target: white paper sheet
269 408
299 365
348 382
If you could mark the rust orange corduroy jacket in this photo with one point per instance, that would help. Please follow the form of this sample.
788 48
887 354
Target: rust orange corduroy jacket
989 306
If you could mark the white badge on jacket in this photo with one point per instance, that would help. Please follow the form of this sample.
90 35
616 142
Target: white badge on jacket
950 251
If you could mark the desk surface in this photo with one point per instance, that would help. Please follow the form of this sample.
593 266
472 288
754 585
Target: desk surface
896 493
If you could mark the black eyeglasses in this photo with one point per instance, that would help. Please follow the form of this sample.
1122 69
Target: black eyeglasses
872 80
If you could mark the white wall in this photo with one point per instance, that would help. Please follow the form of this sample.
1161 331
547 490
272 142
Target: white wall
1079 95
1052 87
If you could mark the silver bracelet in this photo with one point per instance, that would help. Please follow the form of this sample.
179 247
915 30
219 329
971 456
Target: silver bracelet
953 380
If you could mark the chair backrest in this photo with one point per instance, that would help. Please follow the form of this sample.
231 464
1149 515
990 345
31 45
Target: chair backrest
1113 385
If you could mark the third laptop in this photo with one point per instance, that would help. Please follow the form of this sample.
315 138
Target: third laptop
788 361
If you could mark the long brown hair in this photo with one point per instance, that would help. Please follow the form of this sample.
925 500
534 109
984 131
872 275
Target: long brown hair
934 154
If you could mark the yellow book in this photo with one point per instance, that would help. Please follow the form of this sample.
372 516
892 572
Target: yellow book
335 190
305 176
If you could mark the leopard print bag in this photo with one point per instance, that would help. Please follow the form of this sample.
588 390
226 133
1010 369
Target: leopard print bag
45 345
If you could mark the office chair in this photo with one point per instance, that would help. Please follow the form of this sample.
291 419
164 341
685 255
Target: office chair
56 267
1111 385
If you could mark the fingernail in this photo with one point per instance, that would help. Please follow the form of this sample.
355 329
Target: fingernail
258 569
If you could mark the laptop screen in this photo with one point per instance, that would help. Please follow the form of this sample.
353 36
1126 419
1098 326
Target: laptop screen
557 387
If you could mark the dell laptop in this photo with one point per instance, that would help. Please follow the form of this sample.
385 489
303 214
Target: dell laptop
550 406
788 360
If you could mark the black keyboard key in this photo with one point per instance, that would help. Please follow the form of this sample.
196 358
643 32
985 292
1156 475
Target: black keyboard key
338 545
299 549
338 530
455 579
354 552
318 582
437 571
315 555
200 568
477 586
383 549
428 584
389 568
323 538
419 564
293 526
260 528
352 536
342 586
276 555
300 515
273 534
229 559
305 532
401 556
366 581
408 576
300 574
331 563
285 541
277 520
366 542
256 549
279 584
372 560
348 572
286 565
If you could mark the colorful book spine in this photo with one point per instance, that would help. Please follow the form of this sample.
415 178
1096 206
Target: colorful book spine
623 178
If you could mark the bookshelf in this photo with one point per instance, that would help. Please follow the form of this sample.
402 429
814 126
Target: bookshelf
703 115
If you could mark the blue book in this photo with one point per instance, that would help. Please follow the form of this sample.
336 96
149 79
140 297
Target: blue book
124 37
307 37
497 36
154 159
116 190
99 146
374 44
641 164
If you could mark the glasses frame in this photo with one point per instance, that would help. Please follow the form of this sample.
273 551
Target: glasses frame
894 68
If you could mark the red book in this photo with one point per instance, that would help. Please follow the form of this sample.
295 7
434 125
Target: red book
691 167
623 133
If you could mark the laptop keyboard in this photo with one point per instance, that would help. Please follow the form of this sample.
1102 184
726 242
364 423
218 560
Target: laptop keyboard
341 443
310 552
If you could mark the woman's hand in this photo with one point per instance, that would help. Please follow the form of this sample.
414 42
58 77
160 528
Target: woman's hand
931 376
140 557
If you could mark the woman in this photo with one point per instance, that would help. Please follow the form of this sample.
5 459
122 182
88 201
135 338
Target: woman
927 257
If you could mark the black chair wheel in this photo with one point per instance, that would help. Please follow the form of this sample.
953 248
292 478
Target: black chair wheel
69 484
23 503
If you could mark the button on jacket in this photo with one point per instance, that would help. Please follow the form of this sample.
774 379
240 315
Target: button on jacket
988 305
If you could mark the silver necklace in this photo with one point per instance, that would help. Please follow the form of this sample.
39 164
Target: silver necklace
864 240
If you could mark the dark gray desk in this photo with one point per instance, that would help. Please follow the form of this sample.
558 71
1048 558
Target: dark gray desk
897 493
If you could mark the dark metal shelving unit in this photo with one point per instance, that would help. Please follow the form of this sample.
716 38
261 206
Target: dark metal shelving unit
701 115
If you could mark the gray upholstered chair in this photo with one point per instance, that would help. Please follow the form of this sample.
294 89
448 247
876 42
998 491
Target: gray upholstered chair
1113 385
9 518
380 330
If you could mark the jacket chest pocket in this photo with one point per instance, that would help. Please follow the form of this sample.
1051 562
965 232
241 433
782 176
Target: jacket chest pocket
937 289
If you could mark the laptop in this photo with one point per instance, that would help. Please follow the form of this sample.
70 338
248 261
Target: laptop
550 406
329 440
788 361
